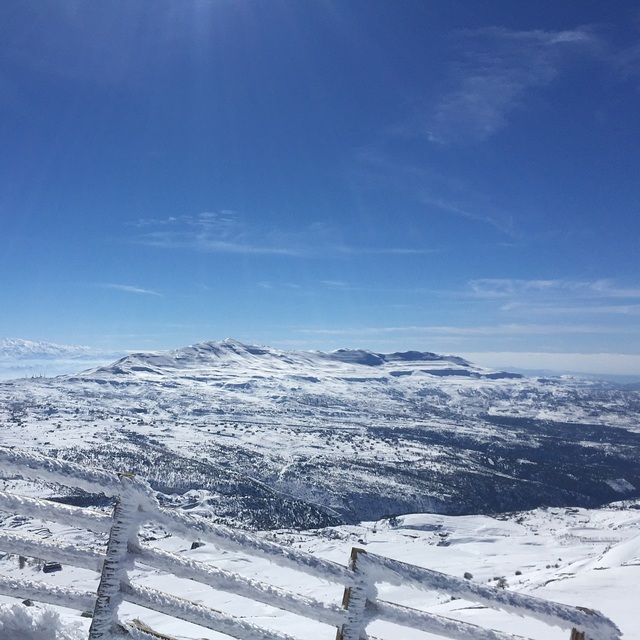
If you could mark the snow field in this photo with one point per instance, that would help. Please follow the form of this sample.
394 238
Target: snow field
34 623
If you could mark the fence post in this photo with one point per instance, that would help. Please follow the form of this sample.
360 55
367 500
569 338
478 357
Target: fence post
355 601
123 532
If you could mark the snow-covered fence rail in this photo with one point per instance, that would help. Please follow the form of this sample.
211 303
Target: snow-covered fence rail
135 503
370 569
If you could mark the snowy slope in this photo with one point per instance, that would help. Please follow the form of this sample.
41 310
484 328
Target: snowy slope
270 438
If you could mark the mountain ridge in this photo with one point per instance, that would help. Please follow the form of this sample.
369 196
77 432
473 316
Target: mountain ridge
234 353
296 438
17 348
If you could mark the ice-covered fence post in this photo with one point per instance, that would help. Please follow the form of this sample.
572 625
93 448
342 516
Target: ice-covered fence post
123 533
355 601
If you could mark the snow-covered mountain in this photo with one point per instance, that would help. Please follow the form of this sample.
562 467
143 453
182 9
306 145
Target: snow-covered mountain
231 353
17 349
27 358
270 438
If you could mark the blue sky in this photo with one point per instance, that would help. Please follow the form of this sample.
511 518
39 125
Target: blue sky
453 176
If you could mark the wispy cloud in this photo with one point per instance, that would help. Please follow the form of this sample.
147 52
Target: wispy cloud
598 290
575 309
503 224
210 231
571 300
495 312
279 286
131 289
328 287
591 363
494 70
440 193
398 251
225 232
335 284
508 287
626 61
512 329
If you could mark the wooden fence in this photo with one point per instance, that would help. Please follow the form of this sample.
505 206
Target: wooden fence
136 503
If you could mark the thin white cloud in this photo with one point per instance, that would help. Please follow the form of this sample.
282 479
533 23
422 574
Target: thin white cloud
503 224
358 251
601 289
549 308
625 61
561 297
591 363
496 68
225 232
210 231
210 245
131 289
439 192
279 286
509 287
512 329
153 222
608 289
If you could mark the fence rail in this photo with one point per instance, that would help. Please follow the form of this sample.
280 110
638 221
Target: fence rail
136 503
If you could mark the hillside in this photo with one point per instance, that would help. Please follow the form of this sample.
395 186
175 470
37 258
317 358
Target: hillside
269 438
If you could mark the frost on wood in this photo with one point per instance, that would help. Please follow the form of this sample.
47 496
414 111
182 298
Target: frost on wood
596 625
47 593
355 600
72 554
232 540
136 502
32 466
431 623
124 534
55 512
138 631
199 614
242 586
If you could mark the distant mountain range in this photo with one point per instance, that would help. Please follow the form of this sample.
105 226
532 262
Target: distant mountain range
17 349
27 358
213 356
269 438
